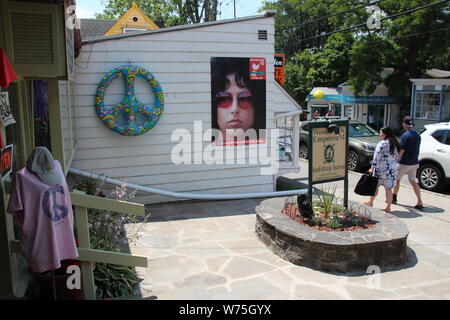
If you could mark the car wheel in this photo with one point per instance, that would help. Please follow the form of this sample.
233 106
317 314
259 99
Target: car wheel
303 151
430 177
353 161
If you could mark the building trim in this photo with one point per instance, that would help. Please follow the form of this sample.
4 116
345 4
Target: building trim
266 14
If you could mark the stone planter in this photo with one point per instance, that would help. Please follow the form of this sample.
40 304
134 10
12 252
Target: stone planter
339 251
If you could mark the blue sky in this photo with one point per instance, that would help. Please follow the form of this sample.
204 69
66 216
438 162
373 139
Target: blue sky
88 8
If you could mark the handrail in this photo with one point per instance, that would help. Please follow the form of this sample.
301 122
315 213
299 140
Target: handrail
98 256
88 201
87 255
82 202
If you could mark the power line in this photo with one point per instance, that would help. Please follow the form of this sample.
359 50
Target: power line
407 35
386 18
332 15
422 33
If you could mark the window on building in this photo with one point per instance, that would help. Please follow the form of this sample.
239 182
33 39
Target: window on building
68 122
286 138
427 105
129 30
446 113
348 111
336 109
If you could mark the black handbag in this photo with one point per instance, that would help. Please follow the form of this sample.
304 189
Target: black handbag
367 185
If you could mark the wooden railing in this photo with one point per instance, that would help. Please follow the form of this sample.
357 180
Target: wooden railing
87 255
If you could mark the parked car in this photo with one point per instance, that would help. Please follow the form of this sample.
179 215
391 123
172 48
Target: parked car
361 144
434 157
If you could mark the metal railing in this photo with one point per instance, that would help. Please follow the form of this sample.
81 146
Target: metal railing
87 255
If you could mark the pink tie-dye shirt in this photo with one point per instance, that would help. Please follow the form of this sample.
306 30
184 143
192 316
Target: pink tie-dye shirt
44 217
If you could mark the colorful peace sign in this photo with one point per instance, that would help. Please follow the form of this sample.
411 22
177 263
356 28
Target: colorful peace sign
130 107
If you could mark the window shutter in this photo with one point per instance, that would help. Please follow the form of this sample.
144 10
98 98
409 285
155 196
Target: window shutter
35 38
32 38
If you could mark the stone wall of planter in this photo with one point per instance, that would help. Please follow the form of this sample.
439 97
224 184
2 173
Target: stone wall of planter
338 251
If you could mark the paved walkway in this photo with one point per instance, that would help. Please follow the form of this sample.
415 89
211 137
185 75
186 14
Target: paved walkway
208 250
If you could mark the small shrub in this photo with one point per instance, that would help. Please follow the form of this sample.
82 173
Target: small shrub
326 200
334 223
315 221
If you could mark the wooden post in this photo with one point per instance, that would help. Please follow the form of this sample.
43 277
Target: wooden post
81 215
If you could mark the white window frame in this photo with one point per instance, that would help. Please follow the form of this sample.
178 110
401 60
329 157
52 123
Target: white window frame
422 111
126 30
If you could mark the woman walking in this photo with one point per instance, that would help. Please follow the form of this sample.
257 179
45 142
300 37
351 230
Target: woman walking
384 165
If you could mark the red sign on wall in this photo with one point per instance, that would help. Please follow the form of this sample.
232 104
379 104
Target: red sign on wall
279 68
257 69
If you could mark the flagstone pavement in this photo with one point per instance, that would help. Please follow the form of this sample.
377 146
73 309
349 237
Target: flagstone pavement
209 250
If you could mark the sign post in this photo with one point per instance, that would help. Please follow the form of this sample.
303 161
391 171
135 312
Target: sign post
328 153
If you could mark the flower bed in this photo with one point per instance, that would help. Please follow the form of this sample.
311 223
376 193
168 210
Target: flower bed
339 221
343 252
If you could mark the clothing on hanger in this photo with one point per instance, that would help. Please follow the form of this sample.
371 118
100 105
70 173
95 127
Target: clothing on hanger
42 210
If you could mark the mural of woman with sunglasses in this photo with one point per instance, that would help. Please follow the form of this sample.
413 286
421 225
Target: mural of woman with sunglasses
238 103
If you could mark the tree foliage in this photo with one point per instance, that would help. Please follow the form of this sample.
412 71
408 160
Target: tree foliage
407 44
319 68
171 12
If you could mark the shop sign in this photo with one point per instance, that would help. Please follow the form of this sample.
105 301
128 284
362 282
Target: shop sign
329 151
327 154
279 68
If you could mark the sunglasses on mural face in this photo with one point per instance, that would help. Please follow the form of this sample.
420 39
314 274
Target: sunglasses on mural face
225 100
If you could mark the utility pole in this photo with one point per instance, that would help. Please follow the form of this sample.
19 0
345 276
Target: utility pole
234 2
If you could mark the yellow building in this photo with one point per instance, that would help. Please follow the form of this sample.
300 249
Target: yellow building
133 20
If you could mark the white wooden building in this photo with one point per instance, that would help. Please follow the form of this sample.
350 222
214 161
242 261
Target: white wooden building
179 58
377 109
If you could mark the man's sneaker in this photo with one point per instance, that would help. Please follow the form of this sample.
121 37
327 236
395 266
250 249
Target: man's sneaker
394 198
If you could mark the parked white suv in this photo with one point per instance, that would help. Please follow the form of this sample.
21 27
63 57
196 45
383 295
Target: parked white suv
434 157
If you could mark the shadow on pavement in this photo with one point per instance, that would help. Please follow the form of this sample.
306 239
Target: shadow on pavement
415 213
198 209
406 214
426 209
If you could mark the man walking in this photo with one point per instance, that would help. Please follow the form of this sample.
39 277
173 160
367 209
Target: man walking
409 160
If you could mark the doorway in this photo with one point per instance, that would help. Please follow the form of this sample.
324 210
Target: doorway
375 116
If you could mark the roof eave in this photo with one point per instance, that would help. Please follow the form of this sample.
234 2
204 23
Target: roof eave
266 14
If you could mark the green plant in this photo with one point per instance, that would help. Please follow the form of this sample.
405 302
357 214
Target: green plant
113 280
316 221
110 231
326 201
335 222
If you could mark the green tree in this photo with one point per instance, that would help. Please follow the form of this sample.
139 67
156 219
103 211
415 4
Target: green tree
320 68
409 44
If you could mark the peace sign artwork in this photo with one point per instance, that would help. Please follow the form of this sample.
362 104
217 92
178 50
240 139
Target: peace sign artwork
130 117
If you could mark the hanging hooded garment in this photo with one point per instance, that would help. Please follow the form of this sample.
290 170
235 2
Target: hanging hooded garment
7 74
42 209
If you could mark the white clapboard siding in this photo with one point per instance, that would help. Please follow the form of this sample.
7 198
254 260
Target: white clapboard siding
180 61
282 101
120 152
